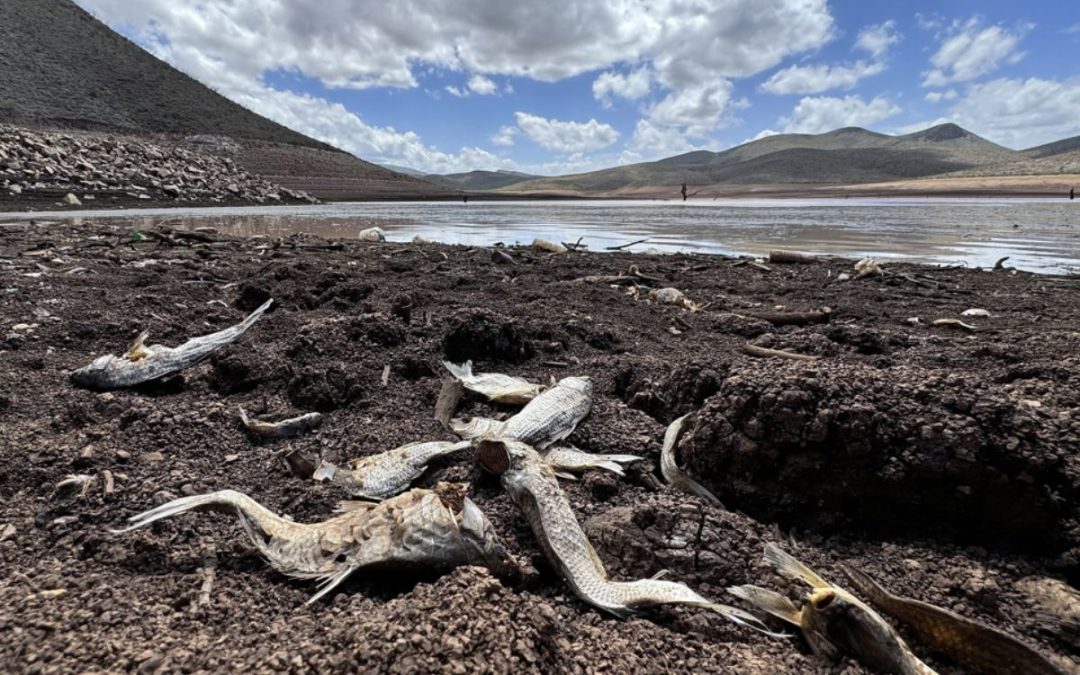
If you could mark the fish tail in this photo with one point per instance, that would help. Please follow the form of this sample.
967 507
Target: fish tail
613 467
244 419
250 511
332 581
256 315
745 619
459 371
767 601
788 566
622 459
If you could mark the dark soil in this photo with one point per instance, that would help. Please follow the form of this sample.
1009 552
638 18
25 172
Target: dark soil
941 462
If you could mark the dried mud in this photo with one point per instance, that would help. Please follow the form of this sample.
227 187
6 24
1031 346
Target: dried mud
939 461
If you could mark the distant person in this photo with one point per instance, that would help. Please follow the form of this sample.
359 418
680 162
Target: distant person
465 198
683 192
1072 193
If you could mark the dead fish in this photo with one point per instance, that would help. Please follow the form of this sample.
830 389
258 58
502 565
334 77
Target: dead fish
675 476
387 473
371 234
834 622
535 490
570 460
475 427
955 323
288 428
974 311
423 529
495 387
673 296
551 416
972 645
420 239
143 363
867 267
548 246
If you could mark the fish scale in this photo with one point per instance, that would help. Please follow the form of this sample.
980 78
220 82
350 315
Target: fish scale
551 416
388 473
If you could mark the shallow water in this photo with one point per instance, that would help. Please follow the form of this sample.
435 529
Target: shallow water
1041 235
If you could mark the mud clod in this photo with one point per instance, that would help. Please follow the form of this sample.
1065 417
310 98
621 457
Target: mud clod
481 335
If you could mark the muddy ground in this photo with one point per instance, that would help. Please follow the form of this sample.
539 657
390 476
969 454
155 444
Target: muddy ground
940 461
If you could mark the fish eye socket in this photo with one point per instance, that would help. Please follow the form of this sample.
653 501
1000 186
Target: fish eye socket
824 600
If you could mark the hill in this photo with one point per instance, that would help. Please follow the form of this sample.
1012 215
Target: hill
1056 148
845 156
480 180
61 68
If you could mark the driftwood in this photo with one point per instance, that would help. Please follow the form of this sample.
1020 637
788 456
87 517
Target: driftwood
1000 264
755 350
790 257
449 396
631 278
794 318
621 247
751 263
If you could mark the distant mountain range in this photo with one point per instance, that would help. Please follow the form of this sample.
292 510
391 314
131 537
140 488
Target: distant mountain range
847 156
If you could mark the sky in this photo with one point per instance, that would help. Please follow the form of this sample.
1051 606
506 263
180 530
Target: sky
565 86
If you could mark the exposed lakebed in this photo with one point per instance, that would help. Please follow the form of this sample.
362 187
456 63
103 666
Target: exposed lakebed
1040 235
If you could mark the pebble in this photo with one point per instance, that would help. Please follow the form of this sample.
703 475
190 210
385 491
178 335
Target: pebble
123 455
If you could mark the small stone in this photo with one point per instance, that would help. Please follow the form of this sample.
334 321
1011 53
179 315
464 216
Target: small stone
154 456
123 455
229 459
72 200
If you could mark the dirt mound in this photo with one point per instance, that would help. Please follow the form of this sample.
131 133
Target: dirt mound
903 450
482 335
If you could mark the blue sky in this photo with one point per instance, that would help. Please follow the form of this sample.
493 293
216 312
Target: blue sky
575 85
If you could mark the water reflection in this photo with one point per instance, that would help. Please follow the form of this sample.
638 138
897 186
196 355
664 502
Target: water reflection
1037 234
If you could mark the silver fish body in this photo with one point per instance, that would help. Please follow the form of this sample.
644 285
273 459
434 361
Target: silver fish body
495 387
143 363
551 416
533 487
571 460
417 529
388 473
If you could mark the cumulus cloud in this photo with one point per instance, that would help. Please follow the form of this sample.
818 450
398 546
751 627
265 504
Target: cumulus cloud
1021 113
970 50
632 85
936 96
878 39
478 84
505 136
819 78
566 137
818 114
456 91
696 109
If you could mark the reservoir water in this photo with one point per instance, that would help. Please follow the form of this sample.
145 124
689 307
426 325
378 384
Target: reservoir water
1041 235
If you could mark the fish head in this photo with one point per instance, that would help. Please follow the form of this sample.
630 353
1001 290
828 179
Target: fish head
836 623
482 543
582 383
93 376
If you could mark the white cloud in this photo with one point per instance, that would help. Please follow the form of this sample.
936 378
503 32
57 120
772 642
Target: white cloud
505 136
818 114
819 78
345 43
696 109
764 133
478 84
969 51
651 141
1021 113
456 91
936 96
876 40
632 85
566 137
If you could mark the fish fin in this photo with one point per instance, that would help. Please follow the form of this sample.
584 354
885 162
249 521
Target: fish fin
459 372
866 586
565 476
788 566
137 350
326 471
745 619
622 459
767 601
244 416
660 575
696 488
224 498
613 467
331 582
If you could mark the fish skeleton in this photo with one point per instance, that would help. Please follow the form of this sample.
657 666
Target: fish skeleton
972 645
535 490
834 621
495 387
143 363
422 529
388 473
675 476
570 460
288 428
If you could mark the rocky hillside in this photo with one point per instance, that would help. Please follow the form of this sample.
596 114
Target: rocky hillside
79 168
480 180
60 68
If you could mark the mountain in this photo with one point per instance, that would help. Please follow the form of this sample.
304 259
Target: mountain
480 180
62 68
1055 148
844 156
